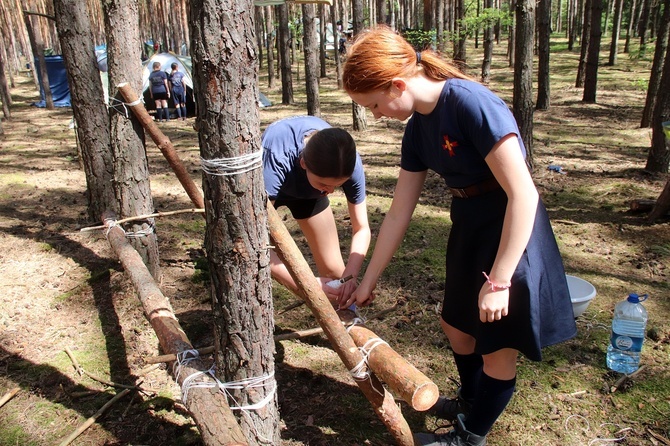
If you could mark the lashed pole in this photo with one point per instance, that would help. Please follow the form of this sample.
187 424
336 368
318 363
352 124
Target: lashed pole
163 142
208 406
382 401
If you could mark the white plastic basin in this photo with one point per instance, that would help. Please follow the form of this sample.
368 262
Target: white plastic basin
581 294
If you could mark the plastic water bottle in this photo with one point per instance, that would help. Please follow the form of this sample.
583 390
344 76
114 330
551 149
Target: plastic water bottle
628 329
338 283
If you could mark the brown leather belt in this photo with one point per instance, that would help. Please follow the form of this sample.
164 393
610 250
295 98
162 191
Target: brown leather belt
476 189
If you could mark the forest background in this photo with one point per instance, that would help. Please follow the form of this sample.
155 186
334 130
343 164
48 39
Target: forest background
66 290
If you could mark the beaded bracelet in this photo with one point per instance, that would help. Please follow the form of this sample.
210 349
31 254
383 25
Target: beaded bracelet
495 286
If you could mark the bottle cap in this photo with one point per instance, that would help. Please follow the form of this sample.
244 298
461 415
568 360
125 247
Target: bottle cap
634 298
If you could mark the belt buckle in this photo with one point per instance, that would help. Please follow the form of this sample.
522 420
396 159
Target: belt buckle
459 193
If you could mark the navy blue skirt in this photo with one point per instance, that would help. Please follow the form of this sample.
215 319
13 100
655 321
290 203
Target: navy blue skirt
540 310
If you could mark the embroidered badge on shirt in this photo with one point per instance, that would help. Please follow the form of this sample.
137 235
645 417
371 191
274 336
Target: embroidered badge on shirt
449 145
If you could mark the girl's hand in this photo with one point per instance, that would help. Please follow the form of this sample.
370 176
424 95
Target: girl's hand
493 305
362 296
331 293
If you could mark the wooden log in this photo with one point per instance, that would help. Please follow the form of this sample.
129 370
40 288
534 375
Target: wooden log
640 205
163 143
415 388
209 408
382 401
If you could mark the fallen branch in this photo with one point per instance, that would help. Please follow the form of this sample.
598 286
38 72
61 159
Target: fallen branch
144 217
658 437
9 395
92 420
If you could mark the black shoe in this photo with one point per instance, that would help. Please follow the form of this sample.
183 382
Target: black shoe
457 437
449 408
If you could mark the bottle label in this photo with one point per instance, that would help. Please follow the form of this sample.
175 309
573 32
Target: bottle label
623 342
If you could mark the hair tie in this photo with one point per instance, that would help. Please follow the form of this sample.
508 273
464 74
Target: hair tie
418 57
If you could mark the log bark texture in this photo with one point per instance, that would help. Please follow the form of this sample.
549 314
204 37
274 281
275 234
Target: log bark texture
324 313
163 143
211 413
415 388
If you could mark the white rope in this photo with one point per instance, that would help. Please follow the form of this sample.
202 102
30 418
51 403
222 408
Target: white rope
137 234
122 107
232 166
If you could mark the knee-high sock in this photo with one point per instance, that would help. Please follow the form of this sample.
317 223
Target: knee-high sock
493 395
178 111
470 371
159 113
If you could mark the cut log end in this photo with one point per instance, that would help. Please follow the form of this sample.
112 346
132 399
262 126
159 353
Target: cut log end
425 396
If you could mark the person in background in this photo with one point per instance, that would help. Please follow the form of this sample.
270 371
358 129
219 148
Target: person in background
305 160
178 88
160 92
505 290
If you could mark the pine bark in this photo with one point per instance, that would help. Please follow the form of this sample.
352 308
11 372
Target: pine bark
358 115
225 66
543 38
90 112
523 72
593 52
310 46
656 67
131 170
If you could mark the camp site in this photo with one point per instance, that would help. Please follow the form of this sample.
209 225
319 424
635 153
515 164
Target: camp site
138 306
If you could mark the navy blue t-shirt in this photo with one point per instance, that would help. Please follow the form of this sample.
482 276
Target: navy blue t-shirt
156 79
283 142
456 136
176 79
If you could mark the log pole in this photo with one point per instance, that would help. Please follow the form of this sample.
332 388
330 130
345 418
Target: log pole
406 380
381 400
209 408
163 143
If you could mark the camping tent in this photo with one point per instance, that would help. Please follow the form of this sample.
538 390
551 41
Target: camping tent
60 89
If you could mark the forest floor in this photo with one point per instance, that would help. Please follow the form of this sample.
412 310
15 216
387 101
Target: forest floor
62 289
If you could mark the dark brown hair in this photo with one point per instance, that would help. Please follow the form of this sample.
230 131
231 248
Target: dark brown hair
330 153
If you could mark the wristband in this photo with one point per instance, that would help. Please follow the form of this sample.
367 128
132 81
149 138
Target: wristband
496 286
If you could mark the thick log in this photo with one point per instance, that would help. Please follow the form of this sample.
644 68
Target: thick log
382 401
163 143
415 388
210 411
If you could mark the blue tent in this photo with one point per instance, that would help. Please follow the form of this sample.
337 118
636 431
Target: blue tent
60 89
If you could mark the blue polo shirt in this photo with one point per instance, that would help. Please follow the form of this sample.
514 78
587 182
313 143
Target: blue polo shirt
283 141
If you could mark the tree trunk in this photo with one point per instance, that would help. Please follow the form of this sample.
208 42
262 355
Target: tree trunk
543 37
593 54
586 35
131 170
659 155
616 31
5 95
270 30
358 114
323 40
285 56
38 52
488 46
657 67
310 46
523 73
459 35
631 22
662 205
643 25
225 66
336 40
88 107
